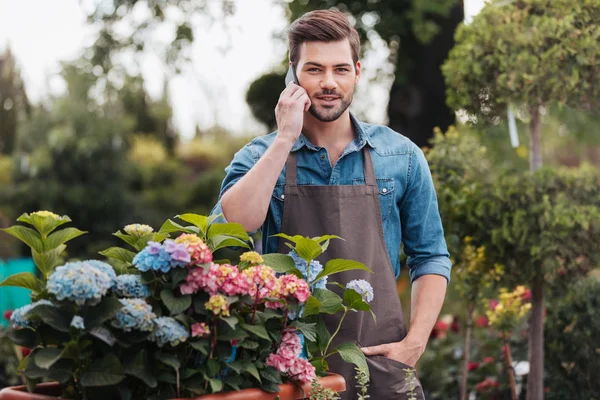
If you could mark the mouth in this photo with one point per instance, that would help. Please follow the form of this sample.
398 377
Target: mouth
328 100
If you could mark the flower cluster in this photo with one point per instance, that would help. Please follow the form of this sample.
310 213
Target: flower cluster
46 214
162 257
263 281
488 385
168 330
200 329
77 322
218 305
138 230
222 278
129 285
292 286
363 288
287 360
315 269
135 314
19 318
198 250
252 258
512 307
81 281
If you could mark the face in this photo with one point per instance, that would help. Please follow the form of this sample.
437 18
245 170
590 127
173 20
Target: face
328 74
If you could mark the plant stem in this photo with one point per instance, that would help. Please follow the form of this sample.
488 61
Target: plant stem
535 379
334 333
255 306
511 370
467 352
535 140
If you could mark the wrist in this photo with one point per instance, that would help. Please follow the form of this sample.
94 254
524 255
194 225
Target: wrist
417 340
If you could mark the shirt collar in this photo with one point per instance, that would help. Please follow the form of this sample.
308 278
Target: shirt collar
362 137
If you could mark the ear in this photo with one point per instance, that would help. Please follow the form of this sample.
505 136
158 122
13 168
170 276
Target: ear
357 69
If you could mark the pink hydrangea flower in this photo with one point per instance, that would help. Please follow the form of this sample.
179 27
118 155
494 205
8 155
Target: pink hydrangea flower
200 329
198 250
262 280
224 278
292 286
302 370
218 305
287 356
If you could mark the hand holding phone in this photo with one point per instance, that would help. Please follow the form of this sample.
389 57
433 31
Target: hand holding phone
292 105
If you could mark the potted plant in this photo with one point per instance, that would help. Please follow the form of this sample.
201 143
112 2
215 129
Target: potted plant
163 320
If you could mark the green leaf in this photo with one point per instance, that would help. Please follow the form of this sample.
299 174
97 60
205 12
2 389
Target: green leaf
308 249
23 337
323 334
294 239
271 374
52 316
308 329
168 359
221 241
269 387
27 235
215 385
140 367
251 369
107 309
61 237
46 357
257 330
104 372
195 219
330 302
339 265
178 274
47 260
119 253
175 304
279 262
46 224
248 344
228 229
352 354
201 345
24 280
170 227
312 306
353 300
231 321
320 239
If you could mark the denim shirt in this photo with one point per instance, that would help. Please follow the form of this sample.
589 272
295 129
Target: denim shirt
409 208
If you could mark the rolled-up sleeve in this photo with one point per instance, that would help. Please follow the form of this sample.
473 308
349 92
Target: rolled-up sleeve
242 162
422 231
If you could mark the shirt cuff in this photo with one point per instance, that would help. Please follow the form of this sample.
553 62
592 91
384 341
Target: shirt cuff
432 266
218 210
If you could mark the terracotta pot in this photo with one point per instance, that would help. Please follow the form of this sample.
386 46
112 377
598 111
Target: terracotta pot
50 391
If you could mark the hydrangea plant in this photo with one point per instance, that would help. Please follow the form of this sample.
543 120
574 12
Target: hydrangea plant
162 319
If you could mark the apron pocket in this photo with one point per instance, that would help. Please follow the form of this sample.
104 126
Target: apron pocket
393 380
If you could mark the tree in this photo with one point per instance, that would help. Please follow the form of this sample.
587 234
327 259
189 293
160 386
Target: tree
531 54
419 34
13 101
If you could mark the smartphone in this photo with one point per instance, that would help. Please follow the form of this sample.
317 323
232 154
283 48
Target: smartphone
291 76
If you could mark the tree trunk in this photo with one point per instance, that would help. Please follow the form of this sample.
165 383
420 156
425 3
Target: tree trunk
535 379
467 351
511 370
417 101
535 140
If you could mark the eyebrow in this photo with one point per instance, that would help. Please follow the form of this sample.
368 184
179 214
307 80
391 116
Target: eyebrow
316 64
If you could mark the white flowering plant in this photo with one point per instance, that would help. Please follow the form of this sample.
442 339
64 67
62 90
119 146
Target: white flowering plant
162 319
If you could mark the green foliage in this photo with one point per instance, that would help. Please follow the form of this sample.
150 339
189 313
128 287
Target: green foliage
572 349
526 52
262 94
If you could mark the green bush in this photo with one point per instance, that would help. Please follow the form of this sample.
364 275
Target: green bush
572 347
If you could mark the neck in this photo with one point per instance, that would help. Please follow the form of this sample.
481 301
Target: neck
330 135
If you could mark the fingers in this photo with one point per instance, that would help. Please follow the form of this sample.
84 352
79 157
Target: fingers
290 90
375 350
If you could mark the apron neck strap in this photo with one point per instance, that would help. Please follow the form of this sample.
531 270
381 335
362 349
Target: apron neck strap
291 169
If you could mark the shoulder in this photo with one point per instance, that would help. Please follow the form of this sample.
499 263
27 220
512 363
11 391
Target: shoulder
387 142
260 144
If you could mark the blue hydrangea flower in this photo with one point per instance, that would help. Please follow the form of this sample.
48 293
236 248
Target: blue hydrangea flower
77 322
363 288
104 267
80 281
168 330
129 285
19 316
163 257
315 269
135 314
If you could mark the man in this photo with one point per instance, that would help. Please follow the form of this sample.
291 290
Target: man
324 172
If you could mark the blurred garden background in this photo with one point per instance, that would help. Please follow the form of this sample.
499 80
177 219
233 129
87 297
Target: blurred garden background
121 111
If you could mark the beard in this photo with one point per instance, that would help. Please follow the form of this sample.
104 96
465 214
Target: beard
326 113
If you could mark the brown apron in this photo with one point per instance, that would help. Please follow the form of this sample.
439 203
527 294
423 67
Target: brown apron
352 212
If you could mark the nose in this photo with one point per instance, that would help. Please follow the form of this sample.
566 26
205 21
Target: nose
328 81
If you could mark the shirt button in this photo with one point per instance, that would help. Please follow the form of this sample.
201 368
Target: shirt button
282 196
322 156
384 190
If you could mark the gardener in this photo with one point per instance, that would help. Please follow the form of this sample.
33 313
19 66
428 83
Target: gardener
325 172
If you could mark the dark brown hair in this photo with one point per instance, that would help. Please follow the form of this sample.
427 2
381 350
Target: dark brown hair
322 26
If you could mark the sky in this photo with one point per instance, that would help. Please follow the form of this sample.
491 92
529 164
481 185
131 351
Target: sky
42 33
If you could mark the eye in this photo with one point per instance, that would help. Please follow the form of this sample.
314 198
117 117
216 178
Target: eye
314 69
342 70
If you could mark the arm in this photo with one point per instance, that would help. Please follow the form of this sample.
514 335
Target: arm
428 260
247 201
